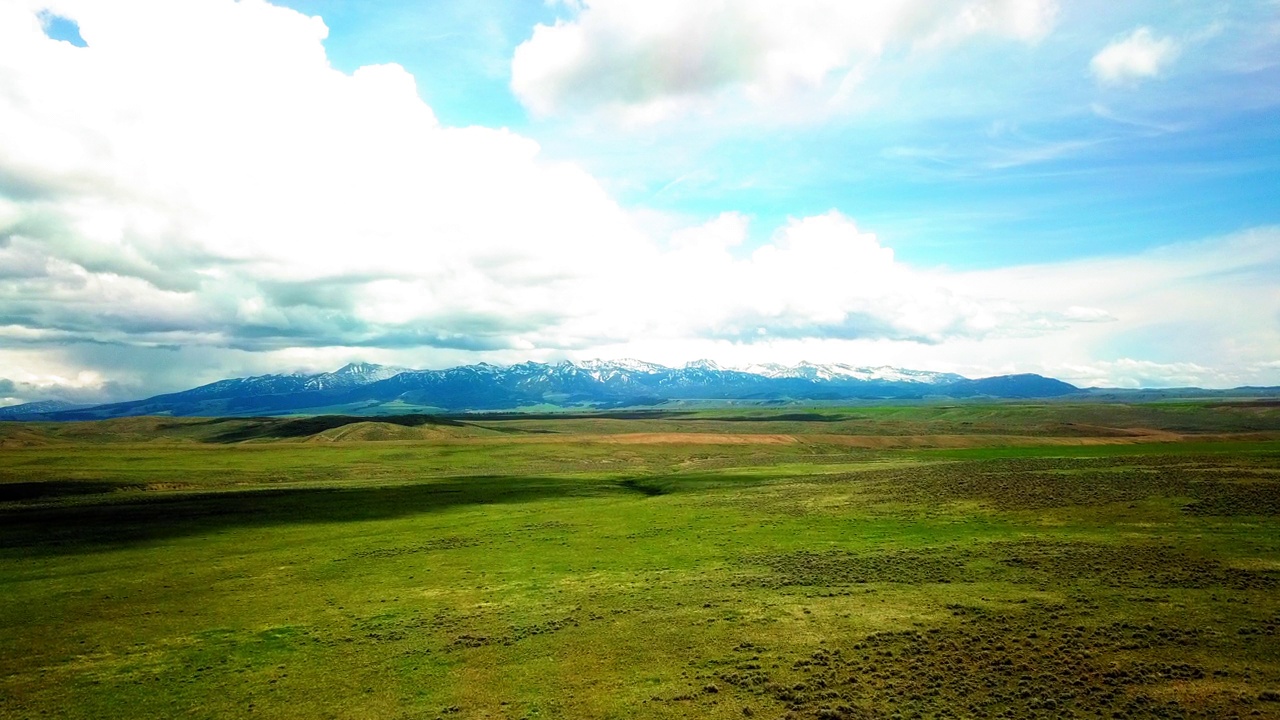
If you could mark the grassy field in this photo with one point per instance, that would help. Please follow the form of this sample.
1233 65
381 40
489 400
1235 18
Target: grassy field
1000 561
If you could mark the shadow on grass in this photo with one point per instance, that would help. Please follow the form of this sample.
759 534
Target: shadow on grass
645 489
784 417
70 520
85 524
272 428
282 428
49 489
578 415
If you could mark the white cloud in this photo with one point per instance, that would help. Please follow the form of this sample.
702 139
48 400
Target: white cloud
268 201
651 58
822 277
1199 313
29 375
157 174
1140 56
1088 314
1130 373
1204 313
164 222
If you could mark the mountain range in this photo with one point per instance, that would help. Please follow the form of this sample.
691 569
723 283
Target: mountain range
369 389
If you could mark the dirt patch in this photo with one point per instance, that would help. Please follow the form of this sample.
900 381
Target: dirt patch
686 438
169 487
976 441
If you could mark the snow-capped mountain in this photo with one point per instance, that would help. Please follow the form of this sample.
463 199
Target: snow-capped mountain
35 409
838 371
893 374
603 370
364 388
351 375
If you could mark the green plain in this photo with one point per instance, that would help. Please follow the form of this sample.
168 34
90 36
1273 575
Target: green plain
1002 560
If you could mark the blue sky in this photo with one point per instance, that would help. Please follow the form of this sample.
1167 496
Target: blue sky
207 188
1026 158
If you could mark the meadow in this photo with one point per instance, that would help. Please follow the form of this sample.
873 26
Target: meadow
915 561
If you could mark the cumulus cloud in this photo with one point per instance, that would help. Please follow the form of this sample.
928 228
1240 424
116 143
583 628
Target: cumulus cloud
820 276
172 212
265 201
650 58
823 277
1130 373
78 387
1203 313
155 185
1139 56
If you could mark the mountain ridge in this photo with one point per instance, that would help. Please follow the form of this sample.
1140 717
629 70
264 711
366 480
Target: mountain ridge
371 389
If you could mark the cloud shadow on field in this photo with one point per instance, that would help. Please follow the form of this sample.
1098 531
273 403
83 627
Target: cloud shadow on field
283 428
70 520
786 417
51 489
70 517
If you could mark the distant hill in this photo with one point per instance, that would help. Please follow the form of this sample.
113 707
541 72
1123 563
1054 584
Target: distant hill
35 409
365 389
1011 386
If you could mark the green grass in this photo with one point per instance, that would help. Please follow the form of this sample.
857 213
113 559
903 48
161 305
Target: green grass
535 568
1186 447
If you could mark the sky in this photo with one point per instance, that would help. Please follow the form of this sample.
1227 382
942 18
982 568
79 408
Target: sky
199 189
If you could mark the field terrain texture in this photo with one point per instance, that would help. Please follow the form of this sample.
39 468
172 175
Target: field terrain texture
980 560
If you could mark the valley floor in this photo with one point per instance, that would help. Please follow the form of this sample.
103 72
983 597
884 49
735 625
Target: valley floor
1000 561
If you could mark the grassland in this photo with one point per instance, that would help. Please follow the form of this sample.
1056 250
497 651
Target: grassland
999 561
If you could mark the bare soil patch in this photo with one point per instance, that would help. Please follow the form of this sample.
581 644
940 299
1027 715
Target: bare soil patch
688 438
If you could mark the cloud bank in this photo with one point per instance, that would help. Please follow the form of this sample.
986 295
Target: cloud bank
172 212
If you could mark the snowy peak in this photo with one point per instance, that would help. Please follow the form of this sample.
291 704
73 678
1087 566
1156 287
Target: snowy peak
770 370
612 370
351 375
623 365
835 372
619 370
357 369
704 364
367 388
36 409
893 374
